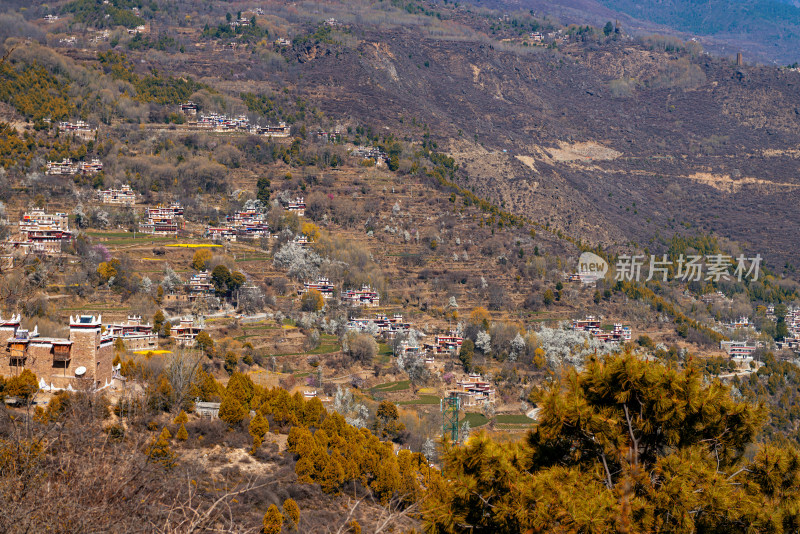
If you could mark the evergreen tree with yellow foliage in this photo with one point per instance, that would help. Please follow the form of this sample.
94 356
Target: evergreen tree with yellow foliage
160 452
622 446
258 427
273 521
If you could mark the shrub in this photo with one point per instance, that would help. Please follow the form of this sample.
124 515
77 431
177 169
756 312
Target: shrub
201 259
273 521
362 348
23 386
160 452
181 419
312 301
292 511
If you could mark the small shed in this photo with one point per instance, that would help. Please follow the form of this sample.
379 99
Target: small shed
207 410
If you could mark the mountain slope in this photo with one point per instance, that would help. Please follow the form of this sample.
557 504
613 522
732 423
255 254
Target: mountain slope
766 30
621 142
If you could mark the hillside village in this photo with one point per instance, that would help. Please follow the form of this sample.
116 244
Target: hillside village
315 306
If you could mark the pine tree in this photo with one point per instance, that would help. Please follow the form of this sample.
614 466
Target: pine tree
181 419
332 475
626 446
305 470
182 434
387 481
231 410
292 511
273 521
258 427
159 451
241 387
208 389
158 321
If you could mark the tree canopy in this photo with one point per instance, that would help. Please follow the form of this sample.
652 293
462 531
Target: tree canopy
624 445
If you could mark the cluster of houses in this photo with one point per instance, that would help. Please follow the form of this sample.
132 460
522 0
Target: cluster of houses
474 391
163 220
224 123
792 341
118 197
323 285
741 322
591 324
390 328
298 206
715 297
444 344
281 41
103 35
252 223
365 297
138 29
584 277
139 336
548 37
246 223
84 357
40 232
79 128
385 326
69 167
135 334
329 137
740 351
370 152
241 22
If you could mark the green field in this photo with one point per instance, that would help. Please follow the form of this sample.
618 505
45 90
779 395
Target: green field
384 355
257 326
325 348
246 336
514 419
474 419
138 240
422 400
253 258
127 238
389 387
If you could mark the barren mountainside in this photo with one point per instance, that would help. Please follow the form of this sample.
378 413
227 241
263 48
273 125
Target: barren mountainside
611 143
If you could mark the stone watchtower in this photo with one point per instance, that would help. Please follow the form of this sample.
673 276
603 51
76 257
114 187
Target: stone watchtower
90 349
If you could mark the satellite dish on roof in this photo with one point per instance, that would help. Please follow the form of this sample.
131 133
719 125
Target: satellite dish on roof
80 371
